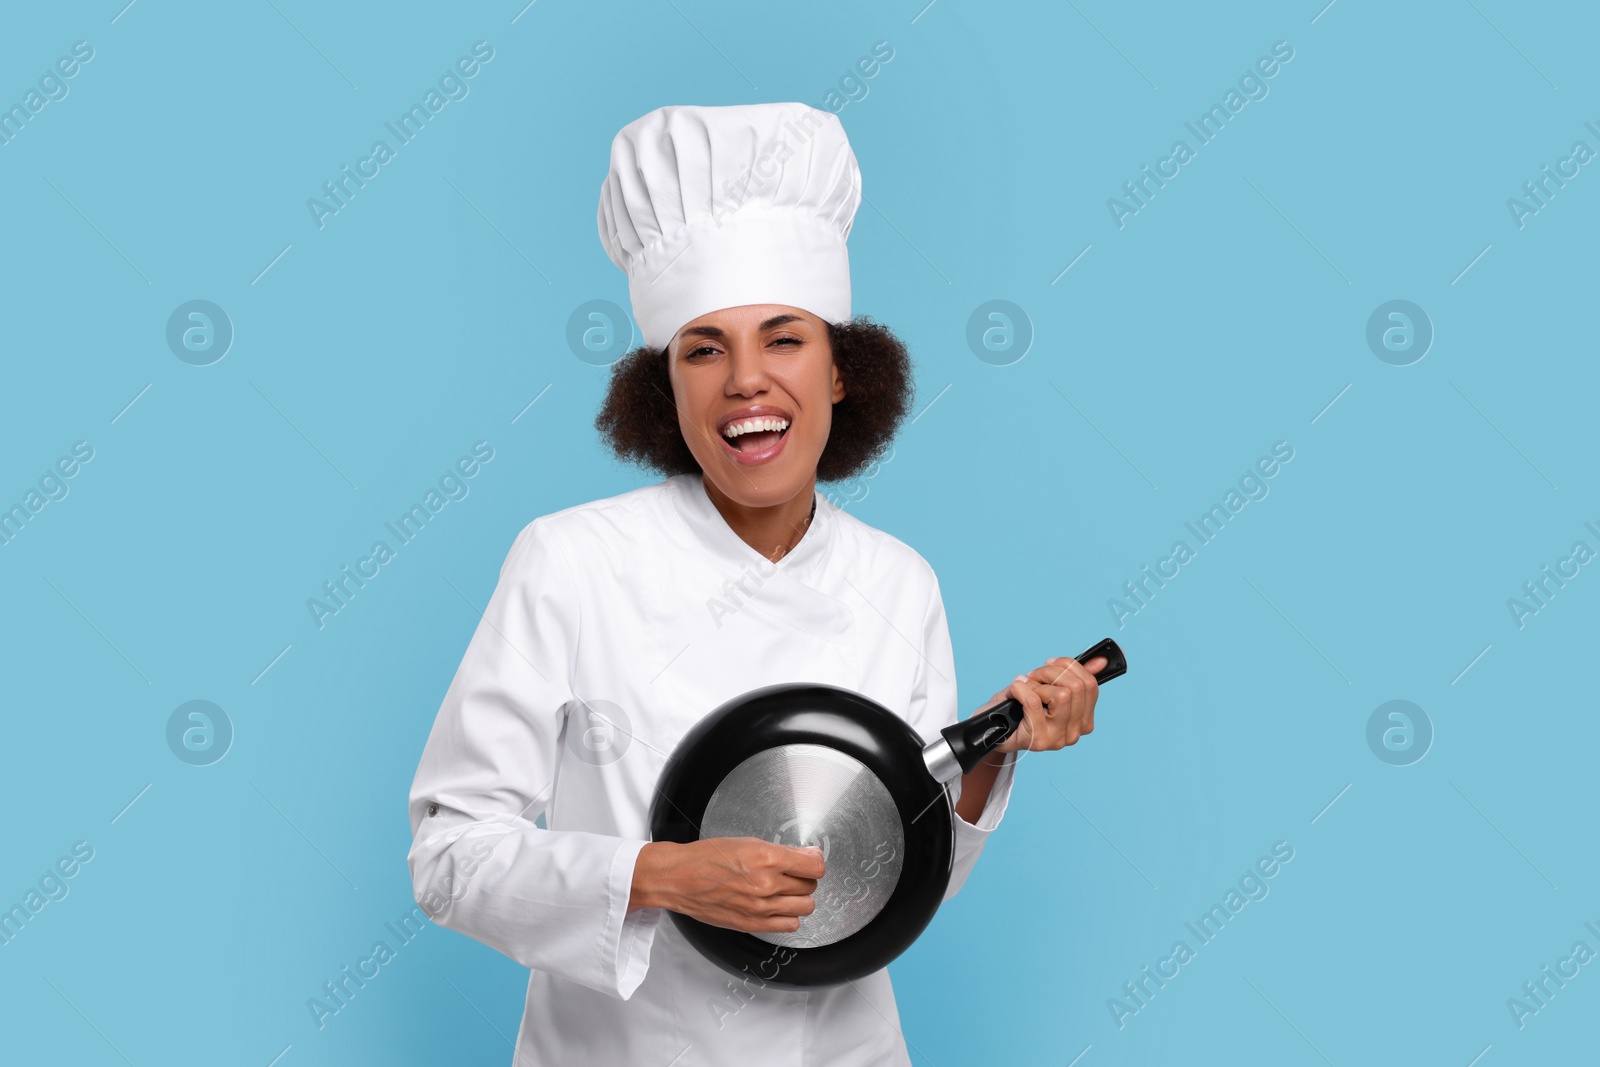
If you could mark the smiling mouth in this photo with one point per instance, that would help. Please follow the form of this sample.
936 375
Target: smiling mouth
757 434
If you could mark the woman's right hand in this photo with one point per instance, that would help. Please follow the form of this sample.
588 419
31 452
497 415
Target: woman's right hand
740 883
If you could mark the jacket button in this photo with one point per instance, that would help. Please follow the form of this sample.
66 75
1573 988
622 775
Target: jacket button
433 809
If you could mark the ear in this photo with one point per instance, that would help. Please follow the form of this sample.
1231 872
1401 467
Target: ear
838 384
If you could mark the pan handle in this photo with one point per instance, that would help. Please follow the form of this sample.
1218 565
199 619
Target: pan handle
968 741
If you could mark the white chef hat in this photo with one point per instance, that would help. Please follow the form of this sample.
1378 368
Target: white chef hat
713 207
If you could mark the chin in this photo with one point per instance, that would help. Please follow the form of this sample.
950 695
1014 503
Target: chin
762 485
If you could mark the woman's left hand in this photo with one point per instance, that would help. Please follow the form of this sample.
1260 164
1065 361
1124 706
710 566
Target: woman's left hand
1057 702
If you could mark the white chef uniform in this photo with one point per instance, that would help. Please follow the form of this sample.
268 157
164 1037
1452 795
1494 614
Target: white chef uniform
616 624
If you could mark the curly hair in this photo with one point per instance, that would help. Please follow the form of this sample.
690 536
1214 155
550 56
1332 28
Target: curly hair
639 418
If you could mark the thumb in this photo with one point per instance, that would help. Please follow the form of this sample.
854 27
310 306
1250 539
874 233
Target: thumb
809 859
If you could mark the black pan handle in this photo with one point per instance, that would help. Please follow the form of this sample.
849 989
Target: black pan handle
972 739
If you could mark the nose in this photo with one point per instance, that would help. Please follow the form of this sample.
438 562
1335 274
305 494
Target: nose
747 368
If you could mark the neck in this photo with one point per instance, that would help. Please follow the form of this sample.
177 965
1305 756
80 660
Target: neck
772 531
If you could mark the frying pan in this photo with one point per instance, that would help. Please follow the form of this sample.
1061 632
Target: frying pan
815 765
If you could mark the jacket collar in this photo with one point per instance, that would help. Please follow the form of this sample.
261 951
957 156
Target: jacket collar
728 551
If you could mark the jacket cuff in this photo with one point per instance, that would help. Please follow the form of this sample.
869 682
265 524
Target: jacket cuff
995 808
628 935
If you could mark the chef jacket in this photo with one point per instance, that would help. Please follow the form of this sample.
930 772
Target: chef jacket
614 627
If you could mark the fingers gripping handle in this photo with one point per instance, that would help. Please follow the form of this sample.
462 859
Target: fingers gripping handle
972 739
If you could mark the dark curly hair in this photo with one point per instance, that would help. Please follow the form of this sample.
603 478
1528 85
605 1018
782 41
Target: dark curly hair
639 419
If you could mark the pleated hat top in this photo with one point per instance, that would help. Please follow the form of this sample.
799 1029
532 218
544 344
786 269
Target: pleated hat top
707 208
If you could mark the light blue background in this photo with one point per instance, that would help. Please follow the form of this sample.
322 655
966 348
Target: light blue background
1223 317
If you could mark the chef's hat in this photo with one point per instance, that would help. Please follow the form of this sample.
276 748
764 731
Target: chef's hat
715 207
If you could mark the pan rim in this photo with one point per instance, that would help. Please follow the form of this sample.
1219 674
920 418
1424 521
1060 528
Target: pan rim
813 713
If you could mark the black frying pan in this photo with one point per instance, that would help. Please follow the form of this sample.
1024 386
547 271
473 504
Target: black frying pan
805 764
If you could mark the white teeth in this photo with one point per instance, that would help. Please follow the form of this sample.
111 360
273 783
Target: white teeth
744 426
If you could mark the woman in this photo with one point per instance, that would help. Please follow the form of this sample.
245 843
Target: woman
618 623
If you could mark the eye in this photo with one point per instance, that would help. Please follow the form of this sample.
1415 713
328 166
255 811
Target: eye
696 351
790 340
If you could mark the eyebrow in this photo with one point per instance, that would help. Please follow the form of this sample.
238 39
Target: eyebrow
717 331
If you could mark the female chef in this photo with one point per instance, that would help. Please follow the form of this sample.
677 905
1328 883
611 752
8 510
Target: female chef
617 623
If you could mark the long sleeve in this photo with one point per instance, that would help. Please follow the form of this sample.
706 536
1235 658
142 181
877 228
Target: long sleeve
553 900
935 705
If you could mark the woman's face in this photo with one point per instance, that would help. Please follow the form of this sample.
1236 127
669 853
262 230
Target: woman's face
762 362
